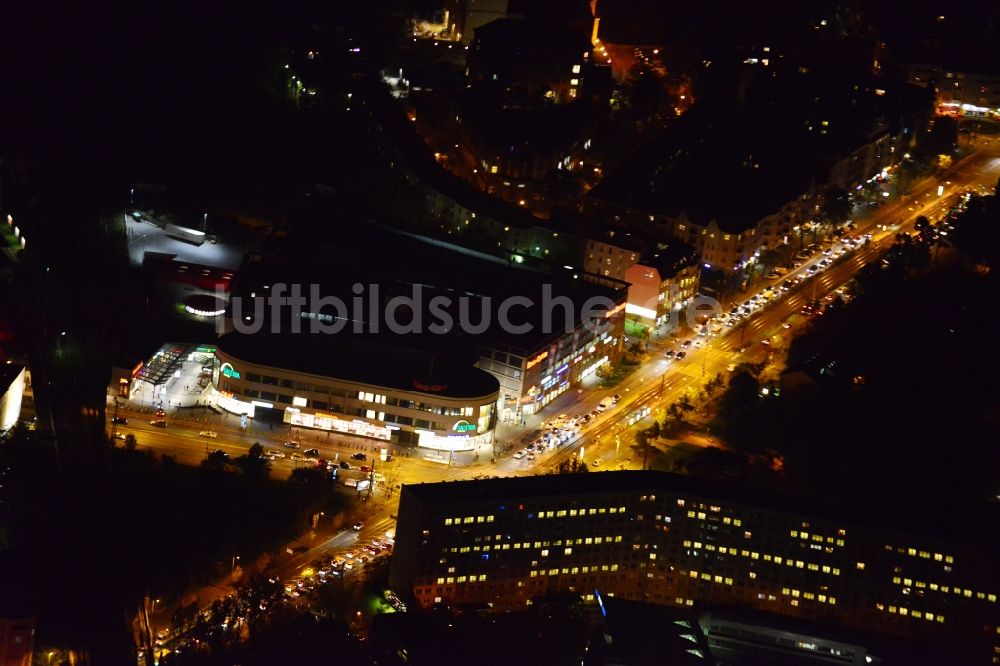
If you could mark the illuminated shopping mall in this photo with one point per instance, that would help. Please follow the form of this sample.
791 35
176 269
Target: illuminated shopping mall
358 387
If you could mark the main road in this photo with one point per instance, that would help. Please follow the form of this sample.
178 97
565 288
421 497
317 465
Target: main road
656 384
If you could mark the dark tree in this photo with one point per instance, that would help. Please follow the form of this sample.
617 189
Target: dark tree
836 205
215 461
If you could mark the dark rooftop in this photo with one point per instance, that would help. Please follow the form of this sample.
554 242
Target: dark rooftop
365 360
390 117
581 485
399 263
739 165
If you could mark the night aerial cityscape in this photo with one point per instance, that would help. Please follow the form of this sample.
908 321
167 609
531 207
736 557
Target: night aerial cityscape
492 332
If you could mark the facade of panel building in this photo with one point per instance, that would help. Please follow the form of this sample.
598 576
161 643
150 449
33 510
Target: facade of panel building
676 540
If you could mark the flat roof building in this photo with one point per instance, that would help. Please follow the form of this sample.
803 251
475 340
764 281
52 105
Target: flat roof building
537 331
681 541
349 384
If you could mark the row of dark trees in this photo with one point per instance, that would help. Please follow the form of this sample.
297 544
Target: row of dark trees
895 391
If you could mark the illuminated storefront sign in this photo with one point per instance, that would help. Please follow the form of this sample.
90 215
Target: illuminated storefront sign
430 440
430 388
233 405
334 424
535 361
229 371
464 426
611 313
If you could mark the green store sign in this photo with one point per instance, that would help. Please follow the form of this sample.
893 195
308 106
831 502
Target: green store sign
464 426
229 371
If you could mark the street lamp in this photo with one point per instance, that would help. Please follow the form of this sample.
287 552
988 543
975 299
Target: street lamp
235 560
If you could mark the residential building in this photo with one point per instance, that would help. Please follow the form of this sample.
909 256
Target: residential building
530 61
677 540
958 93
463 17
662 272
17 640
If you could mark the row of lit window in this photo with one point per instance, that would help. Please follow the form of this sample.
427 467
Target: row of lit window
461 579
700 515
562 513
902 610
777 559
709 577
468 520
944 588
573 570
913 552
810 596
537 544
818 538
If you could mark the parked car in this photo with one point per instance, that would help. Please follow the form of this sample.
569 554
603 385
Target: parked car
312 453
359 456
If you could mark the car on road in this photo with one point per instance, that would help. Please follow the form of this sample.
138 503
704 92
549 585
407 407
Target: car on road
812 269
159 423
518 455
275 454
120 420
597 463
119 436
291 445
359 456
680 354
699 344
773 275
298 457
344 464
220 452
312 453
366 468
211 434
786 324
766 341
669 353
358 526
731 367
